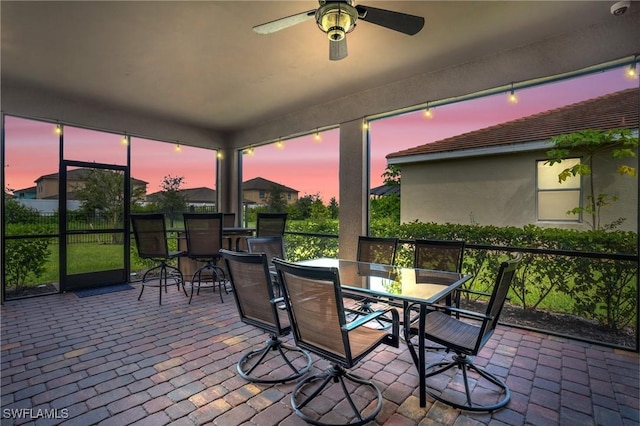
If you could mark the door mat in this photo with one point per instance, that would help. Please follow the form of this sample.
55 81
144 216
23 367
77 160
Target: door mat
102 290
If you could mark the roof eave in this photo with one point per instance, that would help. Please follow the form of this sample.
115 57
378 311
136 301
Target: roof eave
473 152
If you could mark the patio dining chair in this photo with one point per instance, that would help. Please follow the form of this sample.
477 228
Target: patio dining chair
373 250
377 250
228 221
150 233
273 247
466 338
258 306
271 224
267 225
204 240
440 255
314 301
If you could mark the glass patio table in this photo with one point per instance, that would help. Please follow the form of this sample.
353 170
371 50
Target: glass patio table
411 287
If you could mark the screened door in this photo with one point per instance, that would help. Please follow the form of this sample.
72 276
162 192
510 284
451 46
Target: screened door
93 244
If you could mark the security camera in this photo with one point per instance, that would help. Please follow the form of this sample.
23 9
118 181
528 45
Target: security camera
620 7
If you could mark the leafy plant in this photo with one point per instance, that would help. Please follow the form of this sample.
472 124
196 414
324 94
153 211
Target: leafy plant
276 202
172 201
619 142
25 257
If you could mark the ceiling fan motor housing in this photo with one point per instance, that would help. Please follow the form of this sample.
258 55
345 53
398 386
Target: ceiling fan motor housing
336 18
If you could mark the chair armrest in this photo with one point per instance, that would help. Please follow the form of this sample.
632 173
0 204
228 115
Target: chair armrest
479 293
463 312
369 317
468 290
277 300
466 313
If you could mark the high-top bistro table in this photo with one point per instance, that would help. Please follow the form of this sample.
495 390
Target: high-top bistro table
411 287
188 266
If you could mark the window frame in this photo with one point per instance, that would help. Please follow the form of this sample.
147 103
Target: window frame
577 218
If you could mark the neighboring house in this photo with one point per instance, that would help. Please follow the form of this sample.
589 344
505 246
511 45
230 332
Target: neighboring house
25 193
257 190
497 176
383 190
47 185
196 197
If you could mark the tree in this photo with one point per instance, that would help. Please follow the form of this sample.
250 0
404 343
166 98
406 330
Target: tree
103 194
172 201
587 143
275 200
301 209
386 209
392 175
334 208
318 209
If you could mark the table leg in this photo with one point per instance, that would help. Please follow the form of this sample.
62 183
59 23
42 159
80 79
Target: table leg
419 358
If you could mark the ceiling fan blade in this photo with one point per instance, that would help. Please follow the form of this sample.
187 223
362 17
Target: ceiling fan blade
402 22
282 23
338 49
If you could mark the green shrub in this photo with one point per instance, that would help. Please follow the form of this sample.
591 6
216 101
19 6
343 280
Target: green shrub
601 289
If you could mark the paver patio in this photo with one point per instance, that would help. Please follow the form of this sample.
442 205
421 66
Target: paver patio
114 360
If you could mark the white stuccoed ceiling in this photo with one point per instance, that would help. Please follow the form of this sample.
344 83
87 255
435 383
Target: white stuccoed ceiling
200 63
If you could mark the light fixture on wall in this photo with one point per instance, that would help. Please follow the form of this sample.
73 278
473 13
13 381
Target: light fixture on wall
512 96
248 151
427 112
58 129
279 144
125 140
365 125
178 147
632 71
219 155
317 137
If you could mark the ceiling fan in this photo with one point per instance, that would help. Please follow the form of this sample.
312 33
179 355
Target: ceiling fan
336 18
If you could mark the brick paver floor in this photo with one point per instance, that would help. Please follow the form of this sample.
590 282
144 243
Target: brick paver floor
114 360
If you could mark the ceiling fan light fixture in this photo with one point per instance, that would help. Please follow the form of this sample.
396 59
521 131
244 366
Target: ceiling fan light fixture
336 19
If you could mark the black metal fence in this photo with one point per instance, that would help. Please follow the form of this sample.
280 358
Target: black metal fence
596 292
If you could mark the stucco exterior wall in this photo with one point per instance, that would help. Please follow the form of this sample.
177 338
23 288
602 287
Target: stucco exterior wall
500 190
254 195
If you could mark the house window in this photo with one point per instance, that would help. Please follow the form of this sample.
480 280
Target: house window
555 198
262 195
288 196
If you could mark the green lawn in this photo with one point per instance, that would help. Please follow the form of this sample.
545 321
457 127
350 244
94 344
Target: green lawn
84 257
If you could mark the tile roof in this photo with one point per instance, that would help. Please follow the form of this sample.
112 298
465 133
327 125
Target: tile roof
259 183
81 174
614 110
29 190
382 190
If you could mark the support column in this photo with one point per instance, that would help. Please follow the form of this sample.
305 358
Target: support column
354 184
227 181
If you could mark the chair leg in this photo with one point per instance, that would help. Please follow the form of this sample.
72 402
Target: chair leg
215 278
162 279
177 276
335 374
248 363
465 364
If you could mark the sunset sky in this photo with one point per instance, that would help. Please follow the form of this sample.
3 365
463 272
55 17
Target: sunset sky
307 165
